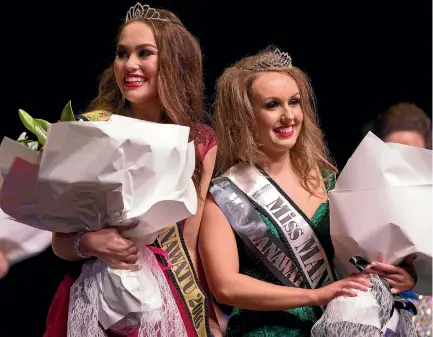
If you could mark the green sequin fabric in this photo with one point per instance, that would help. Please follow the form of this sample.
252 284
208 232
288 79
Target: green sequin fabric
289 323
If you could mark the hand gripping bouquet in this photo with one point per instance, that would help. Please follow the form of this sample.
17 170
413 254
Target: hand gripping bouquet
380 210
106 170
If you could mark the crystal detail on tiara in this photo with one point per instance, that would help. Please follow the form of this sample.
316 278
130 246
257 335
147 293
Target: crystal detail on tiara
275 59
139 12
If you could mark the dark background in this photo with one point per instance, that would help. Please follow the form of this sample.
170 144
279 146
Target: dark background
362 56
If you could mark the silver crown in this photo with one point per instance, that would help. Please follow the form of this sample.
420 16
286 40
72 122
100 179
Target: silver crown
275 59
139 12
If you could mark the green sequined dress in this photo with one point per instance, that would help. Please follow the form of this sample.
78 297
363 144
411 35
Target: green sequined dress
289 323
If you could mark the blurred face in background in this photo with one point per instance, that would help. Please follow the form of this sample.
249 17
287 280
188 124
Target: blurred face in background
412 138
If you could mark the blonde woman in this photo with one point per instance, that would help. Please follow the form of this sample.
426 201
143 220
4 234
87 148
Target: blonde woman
264 238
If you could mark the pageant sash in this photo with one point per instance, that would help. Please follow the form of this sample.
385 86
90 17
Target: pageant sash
294 227
249 225
183 275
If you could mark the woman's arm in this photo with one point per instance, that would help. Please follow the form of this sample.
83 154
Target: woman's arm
106 244
63 246
219 254
192 224
191 230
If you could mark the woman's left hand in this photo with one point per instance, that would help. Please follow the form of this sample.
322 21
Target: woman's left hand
398 278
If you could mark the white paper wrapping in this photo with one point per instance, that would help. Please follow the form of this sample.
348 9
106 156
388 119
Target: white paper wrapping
127 285
19 242
98 174
381 208
11 149
122 291
94 174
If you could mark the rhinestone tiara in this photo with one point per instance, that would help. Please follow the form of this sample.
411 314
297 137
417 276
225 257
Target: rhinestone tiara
273 59
139 12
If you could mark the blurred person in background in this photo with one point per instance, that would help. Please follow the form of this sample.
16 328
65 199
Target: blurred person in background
406 123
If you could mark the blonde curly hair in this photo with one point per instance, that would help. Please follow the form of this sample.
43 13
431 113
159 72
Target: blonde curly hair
236 125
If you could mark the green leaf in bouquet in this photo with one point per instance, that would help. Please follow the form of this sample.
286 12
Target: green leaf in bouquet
32 126
27 120
43 123
40 133
67 113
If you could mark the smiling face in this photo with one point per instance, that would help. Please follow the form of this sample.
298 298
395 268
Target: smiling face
136 63
275 99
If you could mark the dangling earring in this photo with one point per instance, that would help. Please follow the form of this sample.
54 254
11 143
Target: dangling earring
123 100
